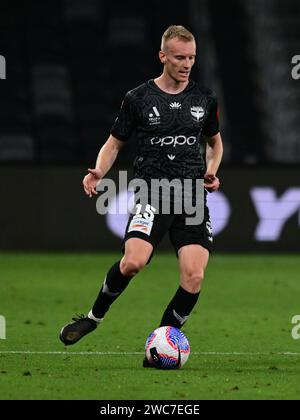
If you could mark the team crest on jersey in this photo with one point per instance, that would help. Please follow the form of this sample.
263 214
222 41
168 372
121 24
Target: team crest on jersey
154 116
197 113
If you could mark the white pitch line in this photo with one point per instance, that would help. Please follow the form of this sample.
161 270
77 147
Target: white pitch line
134 353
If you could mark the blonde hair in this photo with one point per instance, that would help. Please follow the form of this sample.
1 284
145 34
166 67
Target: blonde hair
176 31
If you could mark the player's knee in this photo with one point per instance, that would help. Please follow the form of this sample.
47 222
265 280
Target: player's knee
193 280
130 266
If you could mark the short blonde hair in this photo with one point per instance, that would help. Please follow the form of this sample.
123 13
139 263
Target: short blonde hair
176 31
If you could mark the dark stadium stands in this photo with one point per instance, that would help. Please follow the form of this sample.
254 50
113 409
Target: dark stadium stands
70 62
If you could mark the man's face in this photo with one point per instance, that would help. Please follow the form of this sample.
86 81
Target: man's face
178 58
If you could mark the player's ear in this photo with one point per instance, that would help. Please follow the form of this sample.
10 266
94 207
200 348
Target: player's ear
162 57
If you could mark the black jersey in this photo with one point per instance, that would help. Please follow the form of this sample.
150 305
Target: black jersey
169 129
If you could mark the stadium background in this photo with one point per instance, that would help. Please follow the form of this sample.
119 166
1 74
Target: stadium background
69 64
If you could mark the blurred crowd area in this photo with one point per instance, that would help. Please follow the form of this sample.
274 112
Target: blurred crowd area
69 64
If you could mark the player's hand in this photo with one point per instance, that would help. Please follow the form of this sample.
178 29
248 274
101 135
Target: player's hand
90 182
211 182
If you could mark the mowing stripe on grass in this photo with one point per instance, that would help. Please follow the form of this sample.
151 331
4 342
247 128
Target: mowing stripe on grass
135 353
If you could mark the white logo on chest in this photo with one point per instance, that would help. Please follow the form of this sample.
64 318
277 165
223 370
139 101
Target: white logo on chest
154 117
175 105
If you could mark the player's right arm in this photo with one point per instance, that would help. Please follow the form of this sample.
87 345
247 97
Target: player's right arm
106 158
120 134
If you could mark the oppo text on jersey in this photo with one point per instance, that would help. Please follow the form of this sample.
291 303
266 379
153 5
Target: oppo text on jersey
180 140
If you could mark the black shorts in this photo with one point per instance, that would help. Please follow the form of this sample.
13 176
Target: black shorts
180 233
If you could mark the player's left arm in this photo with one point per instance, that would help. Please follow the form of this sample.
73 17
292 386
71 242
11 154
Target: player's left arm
214 153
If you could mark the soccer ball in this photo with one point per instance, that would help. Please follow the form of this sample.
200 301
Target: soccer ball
167 348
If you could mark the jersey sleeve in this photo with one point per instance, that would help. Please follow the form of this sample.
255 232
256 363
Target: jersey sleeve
211 125
125 122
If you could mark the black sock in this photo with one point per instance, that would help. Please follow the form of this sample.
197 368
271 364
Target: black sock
114 284
179 308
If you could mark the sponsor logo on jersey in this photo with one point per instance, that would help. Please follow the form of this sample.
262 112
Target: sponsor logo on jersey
175 105
173 141
141 225
154 117
197 113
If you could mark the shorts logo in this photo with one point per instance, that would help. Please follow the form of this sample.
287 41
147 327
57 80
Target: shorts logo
141 225
209 231
197 113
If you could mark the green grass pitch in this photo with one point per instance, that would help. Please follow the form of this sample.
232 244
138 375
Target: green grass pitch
240 331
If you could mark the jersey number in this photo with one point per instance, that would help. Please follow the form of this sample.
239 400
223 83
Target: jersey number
147 215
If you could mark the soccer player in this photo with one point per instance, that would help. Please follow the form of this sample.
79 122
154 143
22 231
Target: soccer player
172 117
